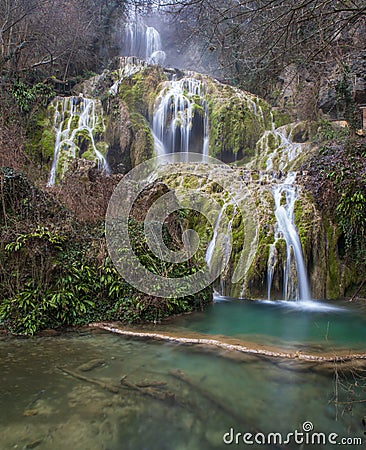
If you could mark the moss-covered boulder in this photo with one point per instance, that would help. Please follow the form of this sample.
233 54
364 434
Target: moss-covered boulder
237 120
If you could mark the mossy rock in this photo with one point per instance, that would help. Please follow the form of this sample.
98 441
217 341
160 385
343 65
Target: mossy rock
48 144
40 142
142 147
140 90
280 118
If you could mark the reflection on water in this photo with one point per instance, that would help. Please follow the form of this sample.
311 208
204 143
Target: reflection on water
44 408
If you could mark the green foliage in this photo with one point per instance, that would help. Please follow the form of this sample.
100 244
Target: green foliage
327 131
40 233
351 215
27 96
60 283
340 188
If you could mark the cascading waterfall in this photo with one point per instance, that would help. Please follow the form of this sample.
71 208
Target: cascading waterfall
295 286
221 240
178 106
75 117
211 246
143 41
279 149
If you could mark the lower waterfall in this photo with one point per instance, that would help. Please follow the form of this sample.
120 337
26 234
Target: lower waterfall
295 284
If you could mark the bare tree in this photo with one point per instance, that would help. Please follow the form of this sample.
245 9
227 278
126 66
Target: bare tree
257 39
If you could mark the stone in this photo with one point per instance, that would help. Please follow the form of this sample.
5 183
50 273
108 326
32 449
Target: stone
30 412
90 365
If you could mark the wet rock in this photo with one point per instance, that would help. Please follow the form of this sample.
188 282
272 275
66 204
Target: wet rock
90 365
34 444
30 412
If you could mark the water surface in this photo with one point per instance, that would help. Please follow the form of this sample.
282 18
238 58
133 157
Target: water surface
307 325
44 408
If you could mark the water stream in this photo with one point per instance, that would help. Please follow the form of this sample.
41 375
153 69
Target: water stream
143 41
46 408
75 118
180 120
295 285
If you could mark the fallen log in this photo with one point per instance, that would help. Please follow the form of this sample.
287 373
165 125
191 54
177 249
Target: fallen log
237 346
155 384
108 387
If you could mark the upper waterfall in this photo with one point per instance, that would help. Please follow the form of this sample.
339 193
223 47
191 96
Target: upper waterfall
143 41
180 119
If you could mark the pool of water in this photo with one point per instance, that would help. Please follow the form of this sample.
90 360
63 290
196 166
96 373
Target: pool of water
197 396
308 325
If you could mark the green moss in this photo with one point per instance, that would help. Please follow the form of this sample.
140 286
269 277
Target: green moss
198 109
142 147
48 144
190 182
66 156
83 134
237 233
140 90
333 266
99 128
89 155
41 138
102 147
280 118
234 127
272 143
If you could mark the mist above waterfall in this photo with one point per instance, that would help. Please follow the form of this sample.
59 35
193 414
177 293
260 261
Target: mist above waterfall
160 39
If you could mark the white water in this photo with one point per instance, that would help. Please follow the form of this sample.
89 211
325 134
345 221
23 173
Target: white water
211 246
172 122
144 42
220 244
278 148
129 65
72 116
295 286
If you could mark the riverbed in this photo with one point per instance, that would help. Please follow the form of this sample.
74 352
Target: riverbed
175 396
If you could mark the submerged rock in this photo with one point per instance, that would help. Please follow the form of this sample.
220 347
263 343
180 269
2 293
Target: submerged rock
90 365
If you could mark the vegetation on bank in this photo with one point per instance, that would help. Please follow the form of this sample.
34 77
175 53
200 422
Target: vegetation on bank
55 270
337 181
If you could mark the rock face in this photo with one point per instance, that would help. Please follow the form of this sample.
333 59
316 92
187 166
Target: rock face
124 100
329 91
138 100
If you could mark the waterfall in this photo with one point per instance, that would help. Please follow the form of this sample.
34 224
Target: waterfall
276 150
211 246
179 105
143 41
75 118
220 243
285 195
